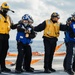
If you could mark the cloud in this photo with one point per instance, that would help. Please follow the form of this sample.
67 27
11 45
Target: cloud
40 10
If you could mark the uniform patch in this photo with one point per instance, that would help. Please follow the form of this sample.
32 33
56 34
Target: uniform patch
21 36
74 26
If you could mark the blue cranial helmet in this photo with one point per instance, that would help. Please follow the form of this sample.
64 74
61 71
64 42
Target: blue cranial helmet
31 19
27 17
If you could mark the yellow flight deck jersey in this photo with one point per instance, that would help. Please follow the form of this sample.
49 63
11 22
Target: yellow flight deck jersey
51 29
4 24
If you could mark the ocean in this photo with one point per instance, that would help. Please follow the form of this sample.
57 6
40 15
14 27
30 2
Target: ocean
37 46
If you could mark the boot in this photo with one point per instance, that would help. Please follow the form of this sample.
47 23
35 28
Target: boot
5 70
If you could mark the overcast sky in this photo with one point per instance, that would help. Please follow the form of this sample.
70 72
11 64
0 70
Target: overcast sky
40 10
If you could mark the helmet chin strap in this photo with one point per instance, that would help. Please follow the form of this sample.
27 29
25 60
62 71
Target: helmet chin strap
9 10
12 11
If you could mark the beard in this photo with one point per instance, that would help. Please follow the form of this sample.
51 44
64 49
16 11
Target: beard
54 21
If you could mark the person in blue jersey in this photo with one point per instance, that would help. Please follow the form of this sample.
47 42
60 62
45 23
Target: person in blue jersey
24 37
69 65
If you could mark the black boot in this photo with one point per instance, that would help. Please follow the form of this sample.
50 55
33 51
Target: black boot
70 72
52 70
5 70
29 70
47 71
19 71
32 68
0 68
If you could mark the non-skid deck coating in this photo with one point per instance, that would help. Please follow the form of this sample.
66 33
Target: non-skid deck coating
38 66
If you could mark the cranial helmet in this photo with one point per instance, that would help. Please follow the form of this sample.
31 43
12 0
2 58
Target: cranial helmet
27 17
4 5
55 14
69 19
31 19
73 16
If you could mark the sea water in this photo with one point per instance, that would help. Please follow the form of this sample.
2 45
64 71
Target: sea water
37 46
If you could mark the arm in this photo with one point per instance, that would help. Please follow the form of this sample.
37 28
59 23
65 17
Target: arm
20 29
18 26
40 27
13 26
63 27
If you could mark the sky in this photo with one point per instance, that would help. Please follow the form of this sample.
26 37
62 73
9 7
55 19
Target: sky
40 10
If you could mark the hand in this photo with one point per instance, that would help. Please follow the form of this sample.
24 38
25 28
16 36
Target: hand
27 31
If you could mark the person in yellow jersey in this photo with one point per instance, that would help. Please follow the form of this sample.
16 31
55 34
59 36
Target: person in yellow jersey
5 26
51 29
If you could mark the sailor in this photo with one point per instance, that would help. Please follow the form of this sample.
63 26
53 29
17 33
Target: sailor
5 26
24 37
70 44
51 29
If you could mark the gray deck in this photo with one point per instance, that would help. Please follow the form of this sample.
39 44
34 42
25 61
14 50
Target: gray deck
57 64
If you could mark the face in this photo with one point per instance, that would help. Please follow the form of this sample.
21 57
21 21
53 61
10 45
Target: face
55 19
25 22
68 23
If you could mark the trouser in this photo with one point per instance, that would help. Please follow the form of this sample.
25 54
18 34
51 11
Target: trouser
49 46
24 53
3 51
73 66
64 63
68 57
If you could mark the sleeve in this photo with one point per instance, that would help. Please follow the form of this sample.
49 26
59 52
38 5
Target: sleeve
20 29
40 27
63 27
14 26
